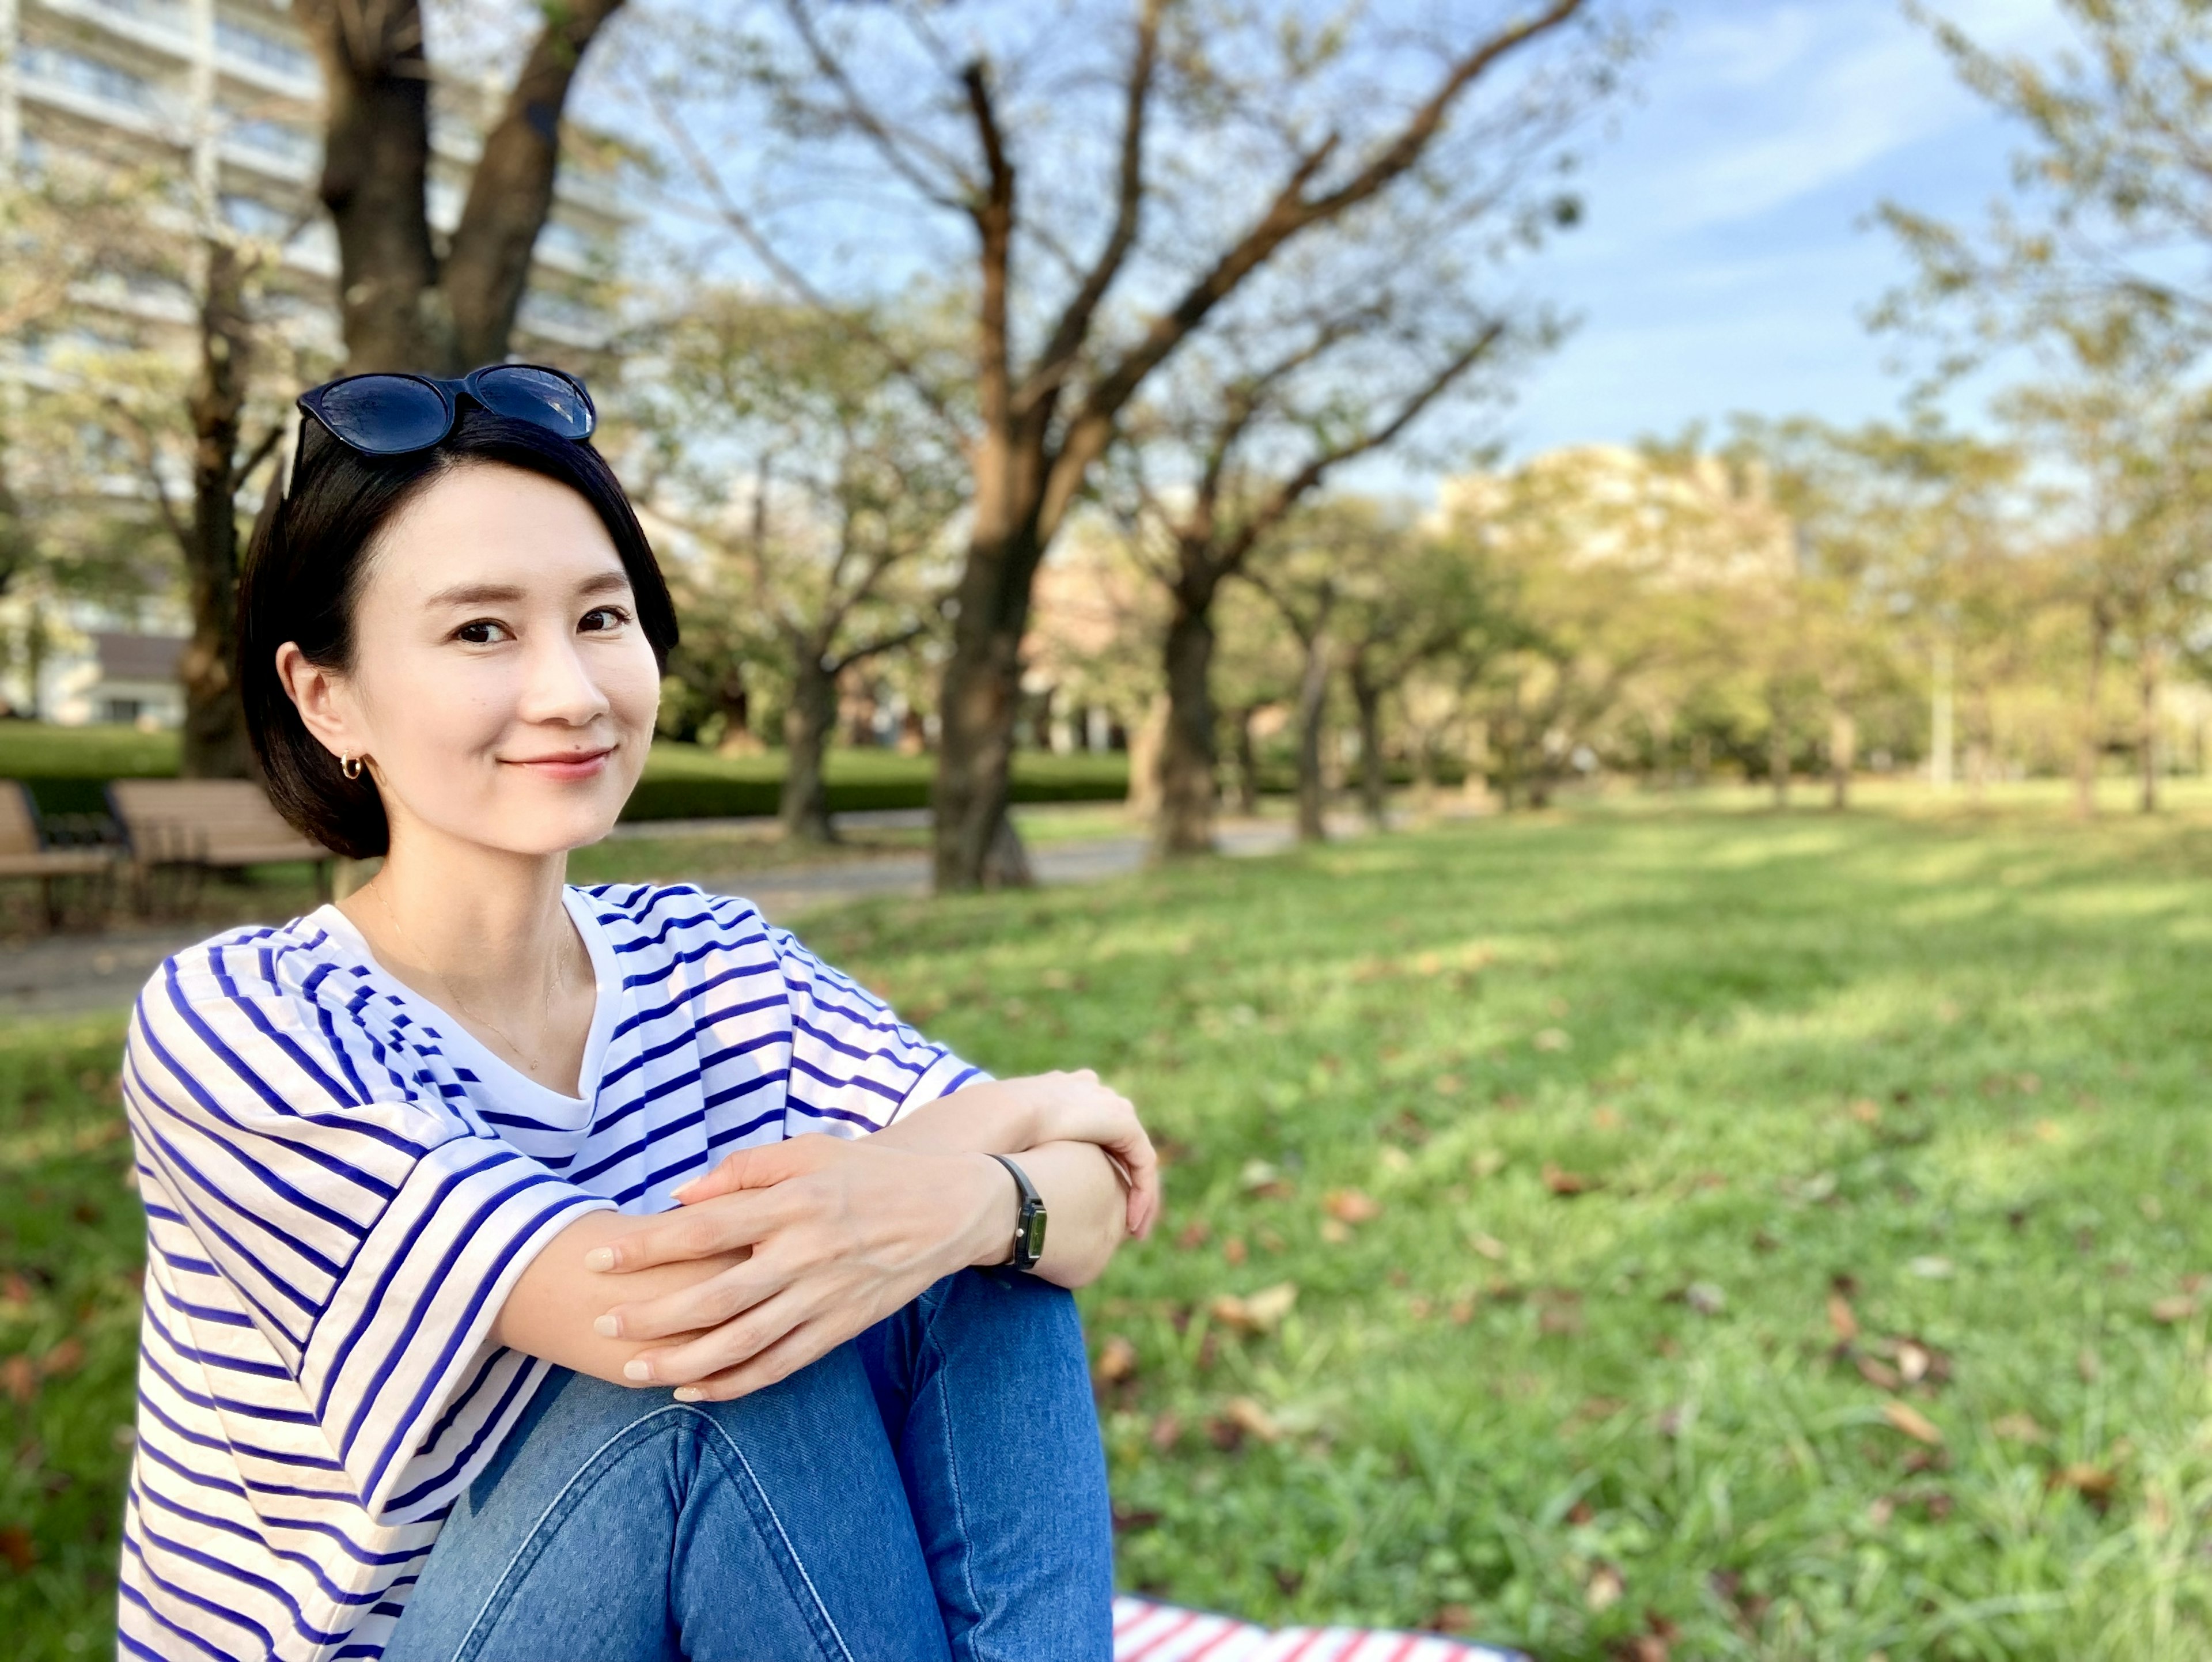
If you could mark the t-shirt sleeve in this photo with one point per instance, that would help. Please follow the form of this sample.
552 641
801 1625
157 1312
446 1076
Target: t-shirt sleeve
855 1066
369 1232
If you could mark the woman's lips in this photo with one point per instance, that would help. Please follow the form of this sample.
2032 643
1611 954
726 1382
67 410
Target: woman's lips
582 764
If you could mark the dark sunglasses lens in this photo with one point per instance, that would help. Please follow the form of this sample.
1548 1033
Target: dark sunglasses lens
384 414
536 395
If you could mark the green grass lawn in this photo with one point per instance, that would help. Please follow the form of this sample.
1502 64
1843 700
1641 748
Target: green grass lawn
1712 1233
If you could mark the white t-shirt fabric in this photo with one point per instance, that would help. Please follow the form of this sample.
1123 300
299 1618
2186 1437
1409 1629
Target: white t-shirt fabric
341 1186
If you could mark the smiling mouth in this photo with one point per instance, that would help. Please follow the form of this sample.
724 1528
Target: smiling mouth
578 764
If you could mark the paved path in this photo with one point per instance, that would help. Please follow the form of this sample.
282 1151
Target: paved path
65 974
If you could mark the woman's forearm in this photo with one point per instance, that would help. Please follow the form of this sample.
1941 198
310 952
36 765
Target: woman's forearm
552 1310
998 1116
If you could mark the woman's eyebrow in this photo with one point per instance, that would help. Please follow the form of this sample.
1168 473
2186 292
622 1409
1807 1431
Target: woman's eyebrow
604 582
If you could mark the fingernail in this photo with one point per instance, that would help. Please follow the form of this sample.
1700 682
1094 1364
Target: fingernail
689 1394
607 1328
638 1369
599 1257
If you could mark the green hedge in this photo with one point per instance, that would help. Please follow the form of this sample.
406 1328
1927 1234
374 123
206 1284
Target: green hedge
681 781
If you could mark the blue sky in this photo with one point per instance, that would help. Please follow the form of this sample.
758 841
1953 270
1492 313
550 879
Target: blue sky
1727 262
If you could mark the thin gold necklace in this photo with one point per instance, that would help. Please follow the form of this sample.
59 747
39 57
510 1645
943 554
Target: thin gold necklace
560 991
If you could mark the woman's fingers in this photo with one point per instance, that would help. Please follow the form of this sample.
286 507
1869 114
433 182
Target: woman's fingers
1142 1163
759 1167
731 1345
726 1223
705 1305
807 1342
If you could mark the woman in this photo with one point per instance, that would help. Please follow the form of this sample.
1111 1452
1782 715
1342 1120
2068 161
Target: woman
439 1179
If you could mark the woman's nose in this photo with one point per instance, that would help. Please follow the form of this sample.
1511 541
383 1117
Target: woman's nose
559 685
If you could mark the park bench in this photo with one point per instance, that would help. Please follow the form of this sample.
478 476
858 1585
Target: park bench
196 826
28 853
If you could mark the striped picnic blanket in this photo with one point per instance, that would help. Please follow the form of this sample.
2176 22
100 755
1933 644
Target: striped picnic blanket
1146 1632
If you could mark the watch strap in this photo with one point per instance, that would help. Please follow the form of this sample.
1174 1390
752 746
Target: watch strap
1025 1255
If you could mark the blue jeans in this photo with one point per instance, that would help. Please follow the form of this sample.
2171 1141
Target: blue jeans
933 1490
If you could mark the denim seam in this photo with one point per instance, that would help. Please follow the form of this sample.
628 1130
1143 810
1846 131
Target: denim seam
590 1472
952 1473
797 1562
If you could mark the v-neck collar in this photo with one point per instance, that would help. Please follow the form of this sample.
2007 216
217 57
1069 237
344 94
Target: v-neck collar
505 1083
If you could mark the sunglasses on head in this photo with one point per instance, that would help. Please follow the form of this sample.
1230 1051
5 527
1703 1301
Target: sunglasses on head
388 414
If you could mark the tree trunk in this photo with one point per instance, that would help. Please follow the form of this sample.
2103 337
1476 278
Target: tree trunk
1843 756
400 308
1778 761
1373 783
976 845
1187 758
2091 749
804 807
214 741
1313 702
2147 738
1248 764
1147 743
376 161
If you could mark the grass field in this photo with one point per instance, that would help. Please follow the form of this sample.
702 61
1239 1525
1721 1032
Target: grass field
1634 1233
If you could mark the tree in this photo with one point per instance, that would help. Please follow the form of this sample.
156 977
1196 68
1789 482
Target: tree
187 430
1249 425
2098 249
405 303
826 488
1124 171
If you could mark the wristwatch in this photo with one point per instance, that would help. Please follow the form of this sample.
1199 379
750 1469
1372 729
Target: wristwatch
1029 1225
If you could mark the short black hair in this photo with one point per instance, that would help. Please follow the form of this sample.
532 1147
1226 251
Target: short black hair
303 577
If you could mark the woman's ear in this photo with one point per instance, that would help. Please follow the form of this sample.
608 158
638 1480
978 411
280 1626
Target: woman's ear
319 695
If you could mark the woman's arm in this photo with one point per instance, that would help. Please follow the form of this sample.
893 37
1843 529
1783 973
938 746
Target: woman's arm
784 1250
551 1308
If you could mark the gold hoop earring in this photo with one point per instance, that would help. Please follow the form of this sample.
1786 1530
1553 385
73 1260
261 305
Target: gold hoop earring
350 766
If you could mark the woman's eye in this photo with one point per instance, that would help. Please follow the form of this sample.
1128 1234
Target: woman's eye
601 617
483 632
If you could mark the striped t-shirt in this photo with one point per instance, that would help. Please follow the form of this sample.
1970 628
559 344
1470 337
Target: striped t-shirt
341 1186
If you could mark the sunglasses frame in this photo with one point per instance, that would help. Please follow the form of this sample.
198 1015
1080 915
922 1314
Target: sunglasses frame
450 393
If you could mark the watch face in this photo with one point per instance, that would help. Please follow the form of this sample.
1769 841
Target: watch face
1033 1233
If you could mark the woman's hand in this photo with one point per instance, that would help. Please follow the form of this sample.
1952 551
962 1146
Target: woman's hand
1012 1116
841 1233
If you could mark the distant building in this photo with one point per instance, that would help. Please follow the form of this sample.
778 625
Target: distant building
125 680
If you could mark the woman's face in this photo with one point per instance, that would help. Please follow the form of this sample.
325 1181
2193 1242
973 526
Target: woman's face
501 688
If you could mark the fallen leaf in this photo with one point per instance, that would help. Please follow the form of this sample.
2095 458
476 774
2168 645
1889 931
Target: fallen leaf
2179 1308
1932 1268
19 1377
64 1358
1913 1360
1489 1246
1248 1417
1166 1432
1259 1313
1606 1119
1603 1589
1334 1232
1117 1360
1879 1511
18 1549
1447 1085
1867 1112
1233 1250
1131 1519
16 1289
1195 1234
1462 1312
1902 1416
1485 1163
1351 1206
1553 1038
1567 1185
2019 1428
2093 1483
1878 1374
1393 1159
1452 1618
1842 1322
1706 1298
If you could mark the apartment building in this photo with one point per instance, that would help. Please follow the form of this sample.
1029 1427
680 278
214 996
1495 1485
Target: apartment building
228 95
